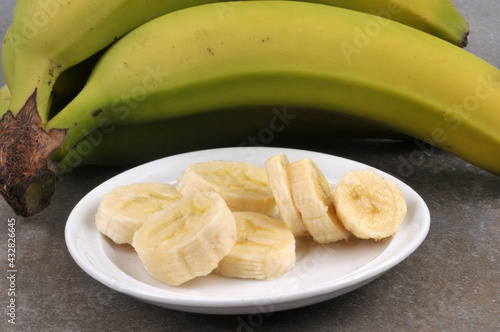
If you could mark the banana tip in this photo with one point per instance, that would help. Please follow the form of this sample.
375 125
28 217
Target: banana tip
465 39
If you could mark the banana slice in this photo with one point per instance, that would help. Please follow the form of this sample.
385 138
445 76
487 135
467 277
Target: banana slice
278 181
368 205
312 196
187 239
244 186
122 211
264 249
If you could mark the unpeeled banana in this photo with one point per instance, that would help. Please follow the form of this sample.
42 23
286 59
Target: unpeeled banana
126 208
66 86
187 239
52 36
283 54
405 94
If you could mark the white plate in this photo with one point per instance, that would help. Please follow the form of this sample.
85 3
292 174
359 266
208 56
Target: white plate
321 272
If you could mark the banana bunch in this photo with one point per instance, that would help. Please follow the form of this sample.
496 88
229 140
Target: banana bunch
214 221
172 64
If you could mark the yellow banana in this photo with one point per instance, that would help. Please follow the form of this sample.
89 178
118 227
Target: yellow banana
303 65
67 84
280 53
52 36
137 144
439 18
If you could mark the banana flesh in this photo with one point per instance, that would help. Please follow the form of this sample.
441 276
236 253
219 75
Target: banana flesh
368 205
125 209
264 249
243 185
276 169
179 238
187 239
312 196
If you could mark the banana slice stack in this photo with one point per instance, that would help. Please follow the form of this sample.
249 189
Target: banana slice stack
221 217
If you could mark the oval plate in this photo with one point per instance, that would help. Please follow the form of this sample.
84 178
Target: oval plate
321 272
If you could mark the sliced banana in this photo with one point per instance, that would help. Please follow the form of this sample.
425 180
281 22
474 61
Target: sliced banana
123 210
264 249
187 239
369 206
312 196
243 185
278 181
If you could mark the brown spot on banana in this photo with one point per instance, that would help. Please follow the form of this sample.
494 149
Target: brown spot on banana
96 113
27 175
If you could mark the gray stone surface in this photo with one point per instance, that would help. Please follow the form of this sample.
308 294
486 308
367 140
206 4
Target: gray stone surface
451 283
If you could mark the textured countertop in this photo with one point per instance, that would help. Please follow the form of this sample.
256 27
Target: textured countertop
450 283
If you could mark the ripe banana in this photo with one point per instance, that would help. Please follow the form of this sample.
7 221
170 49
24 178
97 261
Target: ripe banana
264 249
312 196
243 185
137 144
125 209
282 54
187 239
409 94
368 205
439 18
276 169
52 36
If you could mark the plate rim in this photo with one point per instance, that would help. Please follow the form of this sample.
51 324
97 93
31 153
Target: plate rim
203 304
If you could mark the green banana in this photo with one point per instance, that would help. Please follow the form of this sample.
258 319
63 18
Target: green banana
52 36
267 53
67 84
136 144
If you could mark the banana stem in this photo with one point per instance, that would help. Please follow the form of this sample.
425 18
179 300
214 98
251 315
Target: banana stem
27 176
